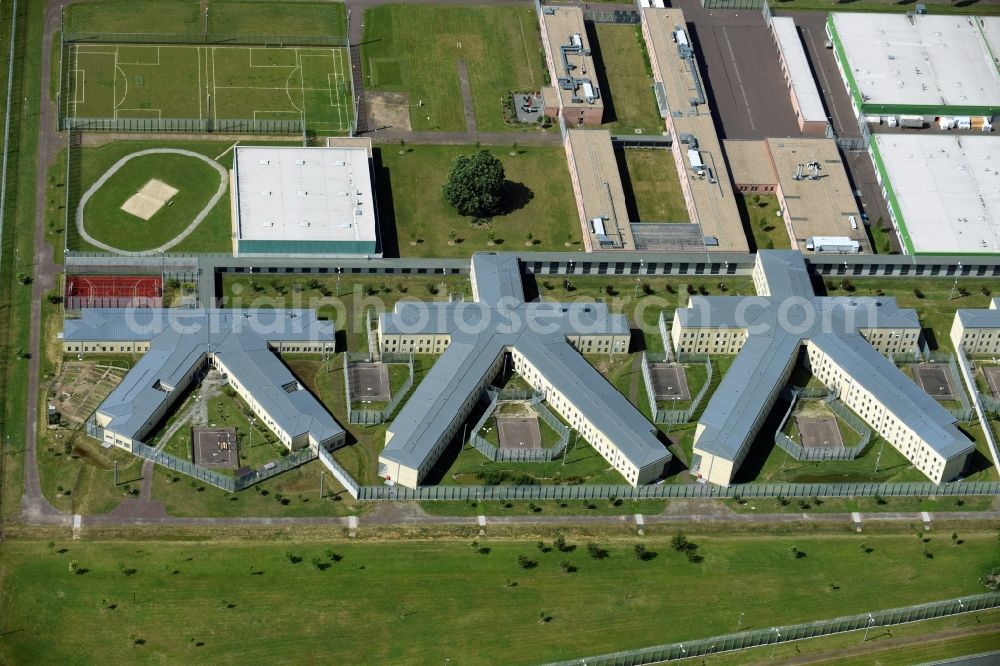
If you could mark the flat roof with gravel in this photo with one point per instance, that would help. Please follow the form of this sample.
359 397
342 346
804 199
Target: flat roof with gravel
943 191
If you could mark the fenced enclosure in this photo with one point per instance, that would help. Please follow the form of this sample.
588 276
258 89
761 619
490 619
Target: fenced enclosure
816 454
205 82
674 416
493 397
793 632
375 416
680 491
964 413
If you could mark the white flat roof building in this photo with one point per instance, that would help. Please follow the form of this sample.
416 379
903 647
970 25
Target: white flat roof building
943 192
802 86
304 201
918 64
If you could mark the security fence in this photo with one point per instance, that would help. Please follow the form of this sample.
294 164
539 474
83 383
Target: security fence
964 413
185 467
680 491
339 473
182 125
534 399
664 325
674 416
815 454
376 416
199 38
990 404
732 4
793 632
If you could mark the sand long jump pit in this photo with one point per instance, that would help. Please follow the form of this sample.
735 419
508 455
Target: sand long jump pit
153 196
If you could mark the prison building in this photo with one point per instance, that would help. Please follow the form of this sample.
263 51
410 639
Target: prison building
845 341
571 67
544 340
911 70
177 346
304 202
597 187
978 331
683 103
814 194
802 90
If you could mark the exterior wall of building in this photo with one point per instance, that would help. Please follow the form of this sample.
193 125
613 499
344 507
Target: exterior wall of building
707 340
413 343
892 340
714 469
974 340
600 344
410 477
105 347
887 424
583 425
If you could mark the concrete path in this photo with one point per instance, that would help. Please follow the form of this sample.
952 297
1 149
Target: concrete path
467 106
528 138
219 193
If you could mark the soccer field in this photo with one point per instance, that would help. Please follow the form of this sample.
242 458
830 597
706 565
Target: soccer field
210 82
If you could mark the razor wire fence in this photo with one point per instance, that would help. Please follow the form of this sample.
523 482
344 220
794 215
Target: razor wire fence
793 632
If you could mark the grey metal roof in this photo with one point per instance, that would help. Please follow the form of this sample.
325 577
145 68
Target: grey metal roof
981 318
775 336
181 340
481 332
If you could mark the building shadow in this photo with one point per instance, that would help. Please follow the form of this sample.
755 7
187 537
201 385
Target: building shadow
630 207
607 95
388 234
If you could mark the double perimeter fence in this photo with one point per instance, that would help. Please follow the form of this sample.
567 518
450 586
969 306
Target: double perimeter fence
793 632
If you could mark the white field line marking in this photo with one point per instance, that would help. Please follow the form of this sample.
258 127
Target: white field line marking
252 49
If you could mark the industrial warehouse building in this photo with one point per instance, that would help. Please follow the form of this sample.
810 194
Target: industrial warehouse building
978 331
942 191
817 202
304 202
917 69
845 340
806 101
544 340
178 345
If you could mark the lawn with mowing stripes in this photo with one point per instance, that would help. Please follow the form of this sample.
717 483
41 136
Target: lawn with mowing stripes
650 177
416 49
626 79
181 16
291 601
265 17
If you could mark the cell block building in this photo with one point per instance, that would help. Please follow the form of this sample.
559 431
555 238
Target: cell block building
178 345
544 341
978 331
844 340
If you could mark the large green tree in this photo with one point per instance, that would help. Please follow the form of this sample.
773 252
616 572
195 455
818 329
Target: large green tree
474 184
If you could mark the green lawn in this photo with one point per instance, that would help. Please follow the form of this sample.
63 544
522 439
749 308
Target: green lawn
291 19
136 602
537 199
196 182
135 16
881 238
597 507
416 49
626 80
655 187
768 228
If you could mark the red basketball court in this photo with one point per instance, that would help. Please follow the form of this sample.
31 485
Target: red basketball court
113 291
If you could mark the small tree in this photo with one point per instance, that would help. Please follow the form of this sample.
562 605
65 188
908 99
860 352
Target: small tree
474 184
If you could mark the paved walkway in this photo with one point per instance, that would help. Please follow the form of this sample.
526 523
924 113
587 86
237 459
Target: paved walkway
467 106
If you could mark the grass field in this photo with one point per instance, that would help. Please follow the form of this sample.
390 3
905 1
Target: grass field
625 78
196 182
768 229
650 176
241 17
210 82
139 602
537 199
416 50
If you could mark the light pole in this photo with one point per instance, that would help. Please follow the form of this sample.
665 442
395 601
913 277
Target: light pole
954 287
338 281
739 622
961 608
637 278
878 459
775 630
871 623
